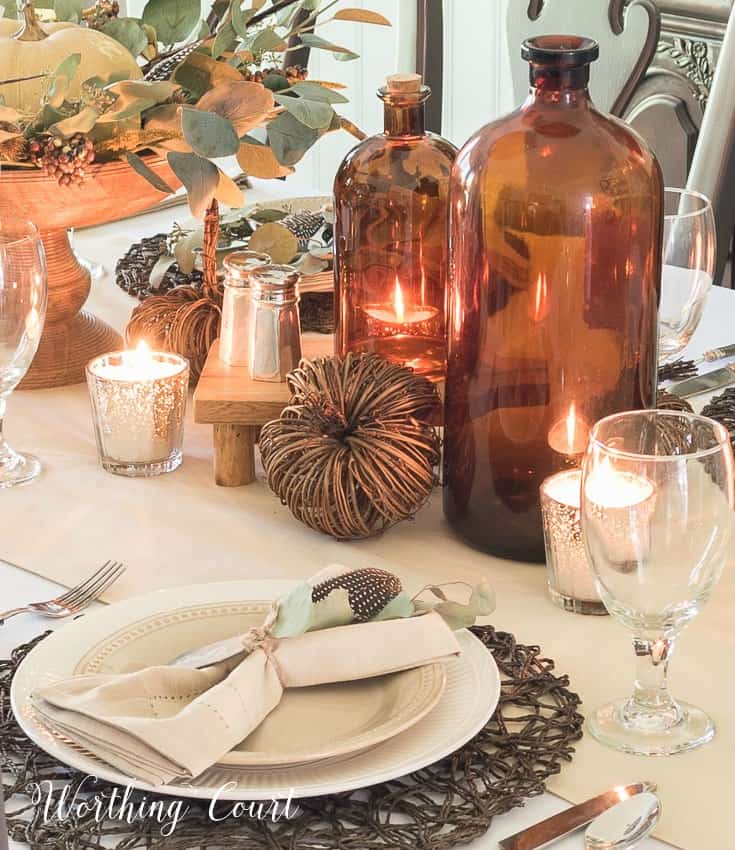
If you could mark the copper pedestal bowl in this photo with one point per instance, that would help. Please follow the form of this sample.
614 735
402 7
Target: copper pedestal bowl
112 190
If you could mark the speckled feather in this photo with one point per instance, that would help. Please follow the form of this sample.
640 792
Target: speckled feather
369 590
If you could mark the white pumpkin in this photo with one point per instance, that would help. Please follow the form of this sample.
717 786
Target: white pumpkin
29 47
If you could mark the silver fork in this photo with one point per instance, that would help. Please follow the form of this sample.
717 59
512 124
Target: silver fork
77 598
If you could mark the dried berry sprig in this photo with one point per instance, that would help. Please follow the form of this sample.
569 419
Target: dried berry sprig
67 160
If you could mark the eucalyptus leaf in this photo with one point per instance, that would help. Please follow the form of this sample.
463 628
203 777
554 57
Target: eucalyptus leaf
47 116
333 610
199 176
290 139
185 250
438 592
227 191
399 607
246 104
138 165
456 615
362 16
483 599
258 160
266 40
9 115
82 122
315 91
60 79
173 20
128 32
312 113
200 73
158 272
209 134
309 264
68 10
276 82
225 40
275 240
294 612
240 17
319 43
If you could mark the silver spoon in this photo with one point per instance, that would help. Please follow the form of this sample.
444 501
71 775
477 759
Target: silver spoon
625 824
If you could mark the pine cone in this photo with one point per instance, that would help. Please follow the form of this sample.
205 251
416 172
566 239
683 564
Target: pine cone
369 590
65 159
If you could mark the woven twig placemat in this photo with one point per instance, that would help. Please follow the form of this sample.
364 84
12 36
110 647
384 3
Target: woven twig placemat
451 802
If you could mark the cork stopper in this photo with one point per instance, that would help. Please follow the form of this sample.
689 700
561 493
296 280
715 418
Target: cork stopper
404 83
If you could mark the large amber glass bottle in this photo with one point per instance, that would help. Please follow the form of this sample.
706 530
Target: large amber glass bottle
391 218
555 230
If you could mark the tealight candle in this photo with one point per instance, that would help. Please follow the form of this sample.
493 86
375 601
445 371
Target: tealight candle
398 314
138 405
570 578
621 505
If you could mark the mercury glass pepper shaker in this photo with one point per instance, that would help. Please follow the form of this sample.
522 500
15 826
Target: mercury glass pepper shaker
275 330
234 335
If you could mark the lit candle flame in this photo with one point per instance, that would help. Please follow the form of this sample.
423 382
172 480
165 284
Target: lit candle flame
398 302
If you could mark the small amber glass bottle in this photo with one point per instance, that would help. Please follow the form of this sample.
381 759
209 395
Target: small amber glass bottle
391 213
556 216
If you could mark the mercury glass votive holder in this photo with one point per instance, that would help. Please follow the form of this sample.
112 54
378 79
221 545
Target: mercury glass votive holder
570 578
138 408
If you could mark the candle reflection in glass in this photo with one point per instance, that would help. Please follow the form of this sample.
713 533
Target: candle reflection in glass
569 435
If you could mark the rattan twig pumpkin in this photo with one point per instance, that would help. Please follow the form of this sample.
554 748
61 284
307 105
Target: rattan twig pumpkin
354 452
186 319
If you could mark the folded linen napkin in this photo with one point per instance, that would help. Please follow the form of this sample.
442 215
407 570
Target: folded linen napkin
166 723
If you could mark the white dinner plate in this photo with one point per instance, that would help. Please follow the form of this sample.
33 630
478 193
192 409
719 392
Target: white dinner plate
309 724
119 638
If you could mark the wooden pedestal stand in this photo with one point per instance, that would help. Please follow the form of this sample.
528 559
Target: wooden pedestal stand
71 336
236 406
112 190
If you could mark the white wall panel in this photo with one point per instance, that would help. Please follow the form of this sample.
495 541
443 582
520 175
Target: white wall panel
477 85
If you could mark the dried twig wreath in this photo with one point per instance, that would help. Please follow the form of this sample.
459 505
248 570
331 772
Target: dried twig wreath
354 452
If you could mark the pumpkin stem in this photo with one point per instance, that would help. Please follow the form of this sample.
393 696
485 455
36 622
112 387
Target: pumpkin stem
31 29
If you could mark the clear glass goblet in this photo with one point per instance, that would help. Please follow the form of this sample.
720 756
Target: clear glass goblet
657 518
689 239
22 313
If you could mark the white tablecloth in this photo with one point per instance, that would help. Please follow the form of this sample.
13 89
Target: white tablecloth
77 516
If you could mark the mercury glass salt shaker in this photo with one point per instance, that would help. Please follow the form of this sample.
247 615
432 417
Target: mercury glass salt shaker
233 340
275 330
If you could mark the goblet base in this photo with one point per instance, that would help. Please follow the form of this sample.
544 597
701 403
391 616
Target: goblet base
610 726
16 468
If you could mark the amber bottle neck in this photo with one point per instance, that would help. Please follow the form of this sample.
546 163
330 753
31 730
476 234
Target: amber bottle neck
404 112
560 86
404 120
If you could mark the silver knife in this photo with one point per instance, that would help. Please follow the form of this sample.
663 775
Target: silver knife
707 382
715 354
557 826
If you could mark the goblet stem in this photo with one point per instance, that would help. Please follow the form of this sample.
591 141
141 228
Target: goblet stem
651 706
3 445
